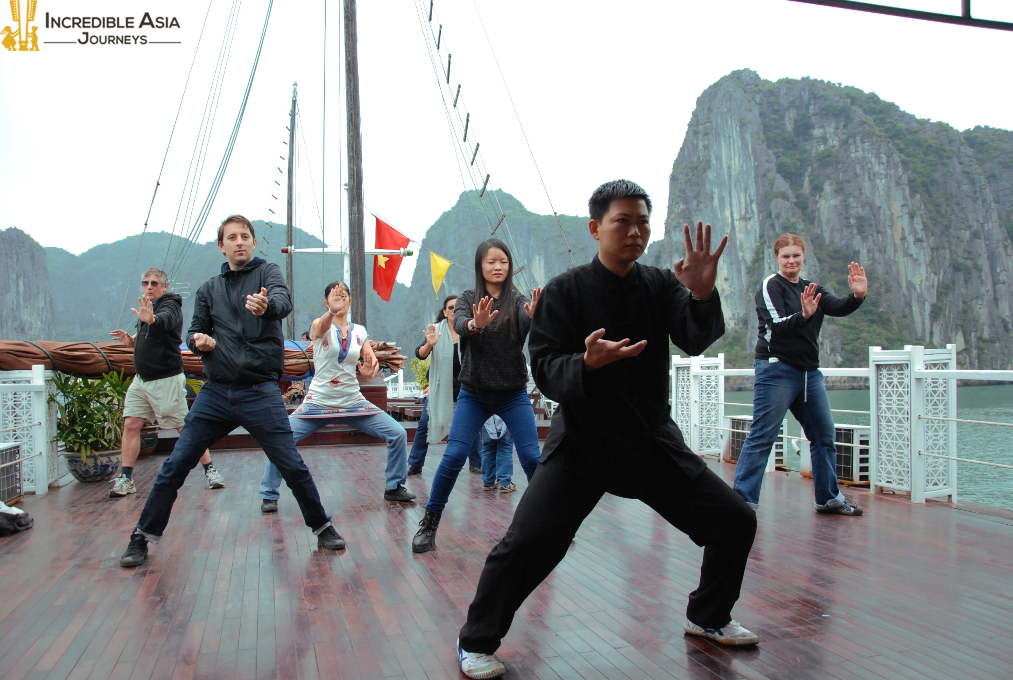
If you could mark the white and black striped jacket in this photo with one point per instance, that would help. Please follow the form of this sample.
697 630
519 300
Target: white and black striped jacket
783 331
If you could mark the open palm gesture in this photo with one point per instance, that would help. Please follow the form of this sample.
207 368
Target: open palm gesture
857 282
145 313
529 307
483 312
431 335
699 269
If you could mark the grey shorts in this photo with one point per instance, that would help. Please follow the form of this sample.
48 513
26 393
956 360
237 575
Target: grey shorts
161 401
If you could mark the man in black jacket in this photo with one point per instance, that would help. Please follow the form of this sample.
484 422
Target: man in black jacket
158 391
236 330
599 346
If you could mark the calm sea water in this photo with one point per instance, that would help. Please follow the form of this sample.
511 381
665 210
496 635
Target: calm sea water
975 483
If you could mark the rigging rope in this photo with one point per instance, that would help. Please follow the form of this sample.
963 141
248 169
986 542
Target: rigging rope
186 243
476 154
219 176
523 132
200 143
166 156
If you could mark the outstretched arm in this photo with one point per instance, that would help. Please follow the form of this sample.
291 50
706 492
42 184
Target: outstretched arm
279 299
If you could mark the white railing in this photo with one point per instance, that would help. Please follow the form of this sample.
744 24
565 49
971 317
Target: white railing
28 418
913 408
397 388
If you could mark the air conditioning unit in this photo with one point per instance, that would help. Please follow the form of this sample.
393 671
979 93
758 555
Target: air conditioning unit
733 441
10 475
853 453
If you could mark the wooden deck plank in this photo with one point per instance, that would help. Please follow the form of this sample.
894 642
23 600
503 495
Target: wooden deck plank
903 592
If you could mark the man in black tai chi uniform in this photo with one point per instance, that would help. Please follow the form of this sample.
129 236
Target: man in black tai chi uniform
599 347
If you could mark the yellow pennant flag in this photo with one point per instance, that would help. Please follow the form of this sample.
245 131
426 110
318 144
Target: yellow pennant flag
440 266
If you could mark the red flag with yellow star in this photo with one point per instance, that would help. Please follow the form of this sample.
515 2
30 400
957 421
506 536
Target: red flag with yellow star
385 266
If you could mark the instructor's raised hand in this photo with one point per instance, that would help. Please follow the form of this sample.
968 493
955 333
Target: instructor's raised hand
257 303
699 269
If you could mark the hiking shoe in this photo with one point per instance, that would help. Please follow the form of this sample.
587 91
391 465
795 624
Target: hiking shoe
136 552
425 539
476 665
475 468
848 508
330 539
509 488
414 470
215 479
122 485
267 505
732 633
400 494
490 487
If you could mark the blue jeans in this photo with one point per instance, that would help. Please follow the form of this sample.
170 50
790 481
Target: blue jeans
497 459
377 424
473 409
420 445
780 387
218 410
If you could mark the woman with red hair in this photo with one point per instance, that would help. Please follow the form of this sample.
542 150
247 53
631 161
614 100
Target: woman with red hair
790 311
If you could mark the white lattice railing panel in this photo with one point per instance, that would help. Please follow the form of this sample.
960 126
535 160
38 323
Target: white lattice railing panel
937 432
893 419
20 410
710 413
682 399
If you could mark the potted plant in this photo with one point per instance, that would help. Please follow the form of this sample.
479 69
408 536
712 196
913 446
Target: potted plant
91 424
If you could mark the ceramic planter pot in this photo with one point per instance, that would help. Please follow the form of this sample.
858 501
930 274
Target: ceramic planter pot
100 466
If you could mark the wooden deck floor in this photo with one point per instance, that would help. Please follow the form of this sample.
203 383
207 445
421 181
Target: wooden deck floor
904 592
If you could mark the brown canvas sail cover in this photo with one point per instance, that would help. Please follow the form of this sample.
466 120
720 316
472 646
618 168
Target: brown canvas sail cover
93 359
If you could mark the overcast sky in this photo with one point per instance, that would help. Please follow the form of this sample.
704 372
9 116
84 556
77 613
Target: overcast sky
604 89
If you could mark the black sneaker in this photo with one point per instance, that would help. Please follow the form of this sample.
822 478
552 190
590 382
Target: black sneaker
267 505
136 552
400 495
425 539
330 539
475 468
414 470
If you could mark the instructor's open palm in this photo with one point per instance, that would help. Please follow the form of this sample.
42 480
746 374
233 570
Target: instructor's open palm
699 269
601 352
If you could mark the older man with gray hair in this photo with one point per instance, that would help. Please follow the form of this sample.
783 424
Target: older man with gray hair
158 390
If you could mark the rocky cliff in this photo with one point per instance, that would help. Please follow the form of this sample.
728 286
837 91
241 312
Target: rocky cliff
926 209
26 304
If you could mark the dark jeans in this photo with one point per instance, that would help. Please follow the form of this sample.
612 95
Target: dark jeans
549 514
420 445
218 410
473 409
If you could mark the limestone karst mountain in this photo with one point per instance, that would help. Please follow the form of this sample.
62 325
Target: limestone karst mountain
927 209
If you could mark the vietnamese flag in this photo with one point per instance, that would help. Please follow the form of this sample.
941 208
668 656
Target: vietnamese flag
385 266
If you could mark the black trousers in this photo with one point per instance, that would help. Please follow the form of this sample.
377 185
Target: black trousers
549 514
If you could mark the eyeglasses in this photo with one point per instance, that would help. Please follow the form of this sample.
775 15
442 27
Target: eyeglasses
153 284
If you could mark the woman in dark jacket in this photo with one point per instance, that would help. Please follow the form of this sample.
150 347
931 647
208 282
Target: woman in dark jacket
790 311
495 319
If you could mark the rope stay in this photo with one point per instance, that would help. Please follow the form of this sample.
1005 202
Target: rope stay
220 174
477 161
200 146
523 132
158 181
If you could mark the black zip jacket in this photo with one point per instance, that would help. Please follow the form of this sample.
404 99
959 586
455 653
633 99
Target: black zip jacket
783 332
156 345
250 349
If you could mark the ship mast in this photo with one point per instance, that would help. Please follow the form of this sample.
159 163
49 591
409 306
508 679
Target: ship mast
289 275
356 238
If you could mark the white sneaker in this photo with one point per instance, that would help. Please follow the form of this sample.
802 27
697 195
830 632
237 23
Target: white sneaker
732 633
215 479
122 485
476 665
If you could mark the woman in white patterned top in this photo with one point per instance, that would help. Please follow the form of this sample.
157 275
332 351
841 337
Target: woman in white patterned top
334 396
